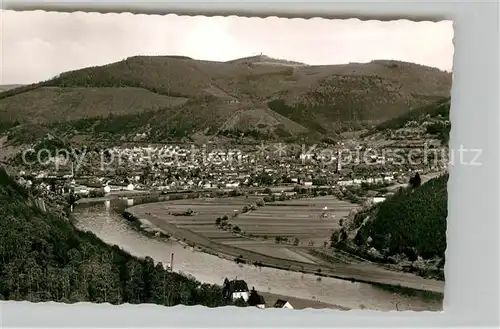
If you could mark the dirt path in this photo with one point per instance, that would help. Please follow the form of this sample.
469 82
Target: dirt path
370 273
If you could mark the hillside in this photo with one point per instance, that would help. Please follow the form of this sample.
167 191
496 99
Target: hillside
275 97
44 258
429 124
8 87
434 119
407 227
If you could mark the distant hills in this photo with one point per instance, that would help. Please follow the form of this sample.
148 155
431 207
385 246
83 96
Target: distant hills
164 98
8 87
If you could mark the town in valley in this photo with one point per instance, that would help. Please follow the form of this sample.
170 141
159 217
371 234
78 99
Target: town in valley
322 176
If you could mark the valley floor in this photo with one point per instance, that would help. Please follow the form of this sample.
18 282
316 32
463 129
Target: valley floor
369 273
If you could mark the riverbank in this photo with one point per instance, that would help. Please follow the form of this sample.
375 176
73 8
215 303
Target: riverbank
365 273
106 222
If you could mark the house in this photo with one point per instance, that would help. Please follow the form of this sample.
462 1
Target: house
107 189
235 289
262 303
345 182
280 303
376 200
81 190
130 187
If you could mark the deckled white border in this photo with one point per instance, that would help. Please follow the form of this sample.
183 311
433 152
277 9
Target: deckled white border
472 271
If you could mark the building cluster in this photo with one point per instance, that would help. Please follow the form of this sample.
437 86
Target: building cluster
176 167
237 291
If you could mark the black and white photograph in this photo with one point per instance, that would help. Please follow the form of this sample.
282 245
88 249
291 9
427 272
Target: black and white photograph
225 161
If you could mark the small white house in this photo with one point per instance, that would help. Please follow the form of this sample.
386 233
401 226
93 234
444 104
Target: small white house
81 190
389 178
345 182
280 303
107 189
130 187
376 200
308 183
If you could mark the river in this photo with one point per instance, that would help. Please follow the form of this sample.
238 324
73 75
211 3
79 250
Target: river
104 220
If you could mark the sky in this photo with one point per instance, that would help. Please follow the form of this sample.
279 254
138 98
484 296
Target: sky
38 45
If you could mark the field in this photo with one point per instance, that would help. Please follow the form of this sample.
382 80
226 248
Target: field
288 219
306 223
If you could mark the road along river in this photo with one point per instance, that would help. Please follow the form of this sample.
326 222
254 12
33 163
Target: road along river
104 220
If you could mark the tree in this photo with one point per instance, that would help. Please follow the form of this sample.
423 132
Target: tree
335 237
121 172
52 185
218 221
296 242
255 299
343 235
415 181
72 198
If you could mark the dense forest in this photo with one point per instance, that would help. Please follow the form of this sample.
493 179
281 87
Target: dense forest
44 258
411 222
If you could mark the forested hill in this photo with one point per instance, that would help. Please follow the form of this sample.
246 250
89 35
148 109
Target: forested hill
255 98
44 258
412 219
407 229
